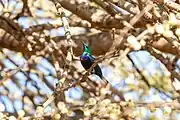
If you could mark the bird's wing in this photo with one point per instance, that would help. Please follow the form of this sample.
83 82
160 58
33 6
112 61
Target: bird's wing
92 61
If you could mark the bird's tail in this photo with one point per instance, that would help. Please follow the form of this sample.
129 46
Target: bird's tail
105 81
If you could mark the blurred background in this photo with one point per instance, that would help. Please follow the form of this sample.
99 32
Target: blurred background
33 47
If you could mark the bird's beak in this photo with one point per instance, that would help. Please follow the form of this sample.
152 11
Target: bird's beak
82 43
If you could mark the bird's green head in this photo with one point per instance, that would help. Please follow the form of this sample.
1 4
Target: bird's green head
86 48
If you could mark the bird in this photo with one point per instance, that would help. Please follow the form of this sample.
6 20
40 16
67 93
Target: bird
87 60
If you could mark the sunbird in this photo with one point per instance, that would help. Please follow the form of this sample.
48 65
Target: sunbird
87 61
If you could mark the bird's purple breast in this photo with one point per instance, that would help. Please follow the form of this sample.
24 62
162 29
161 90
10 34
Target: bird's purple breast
83 58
